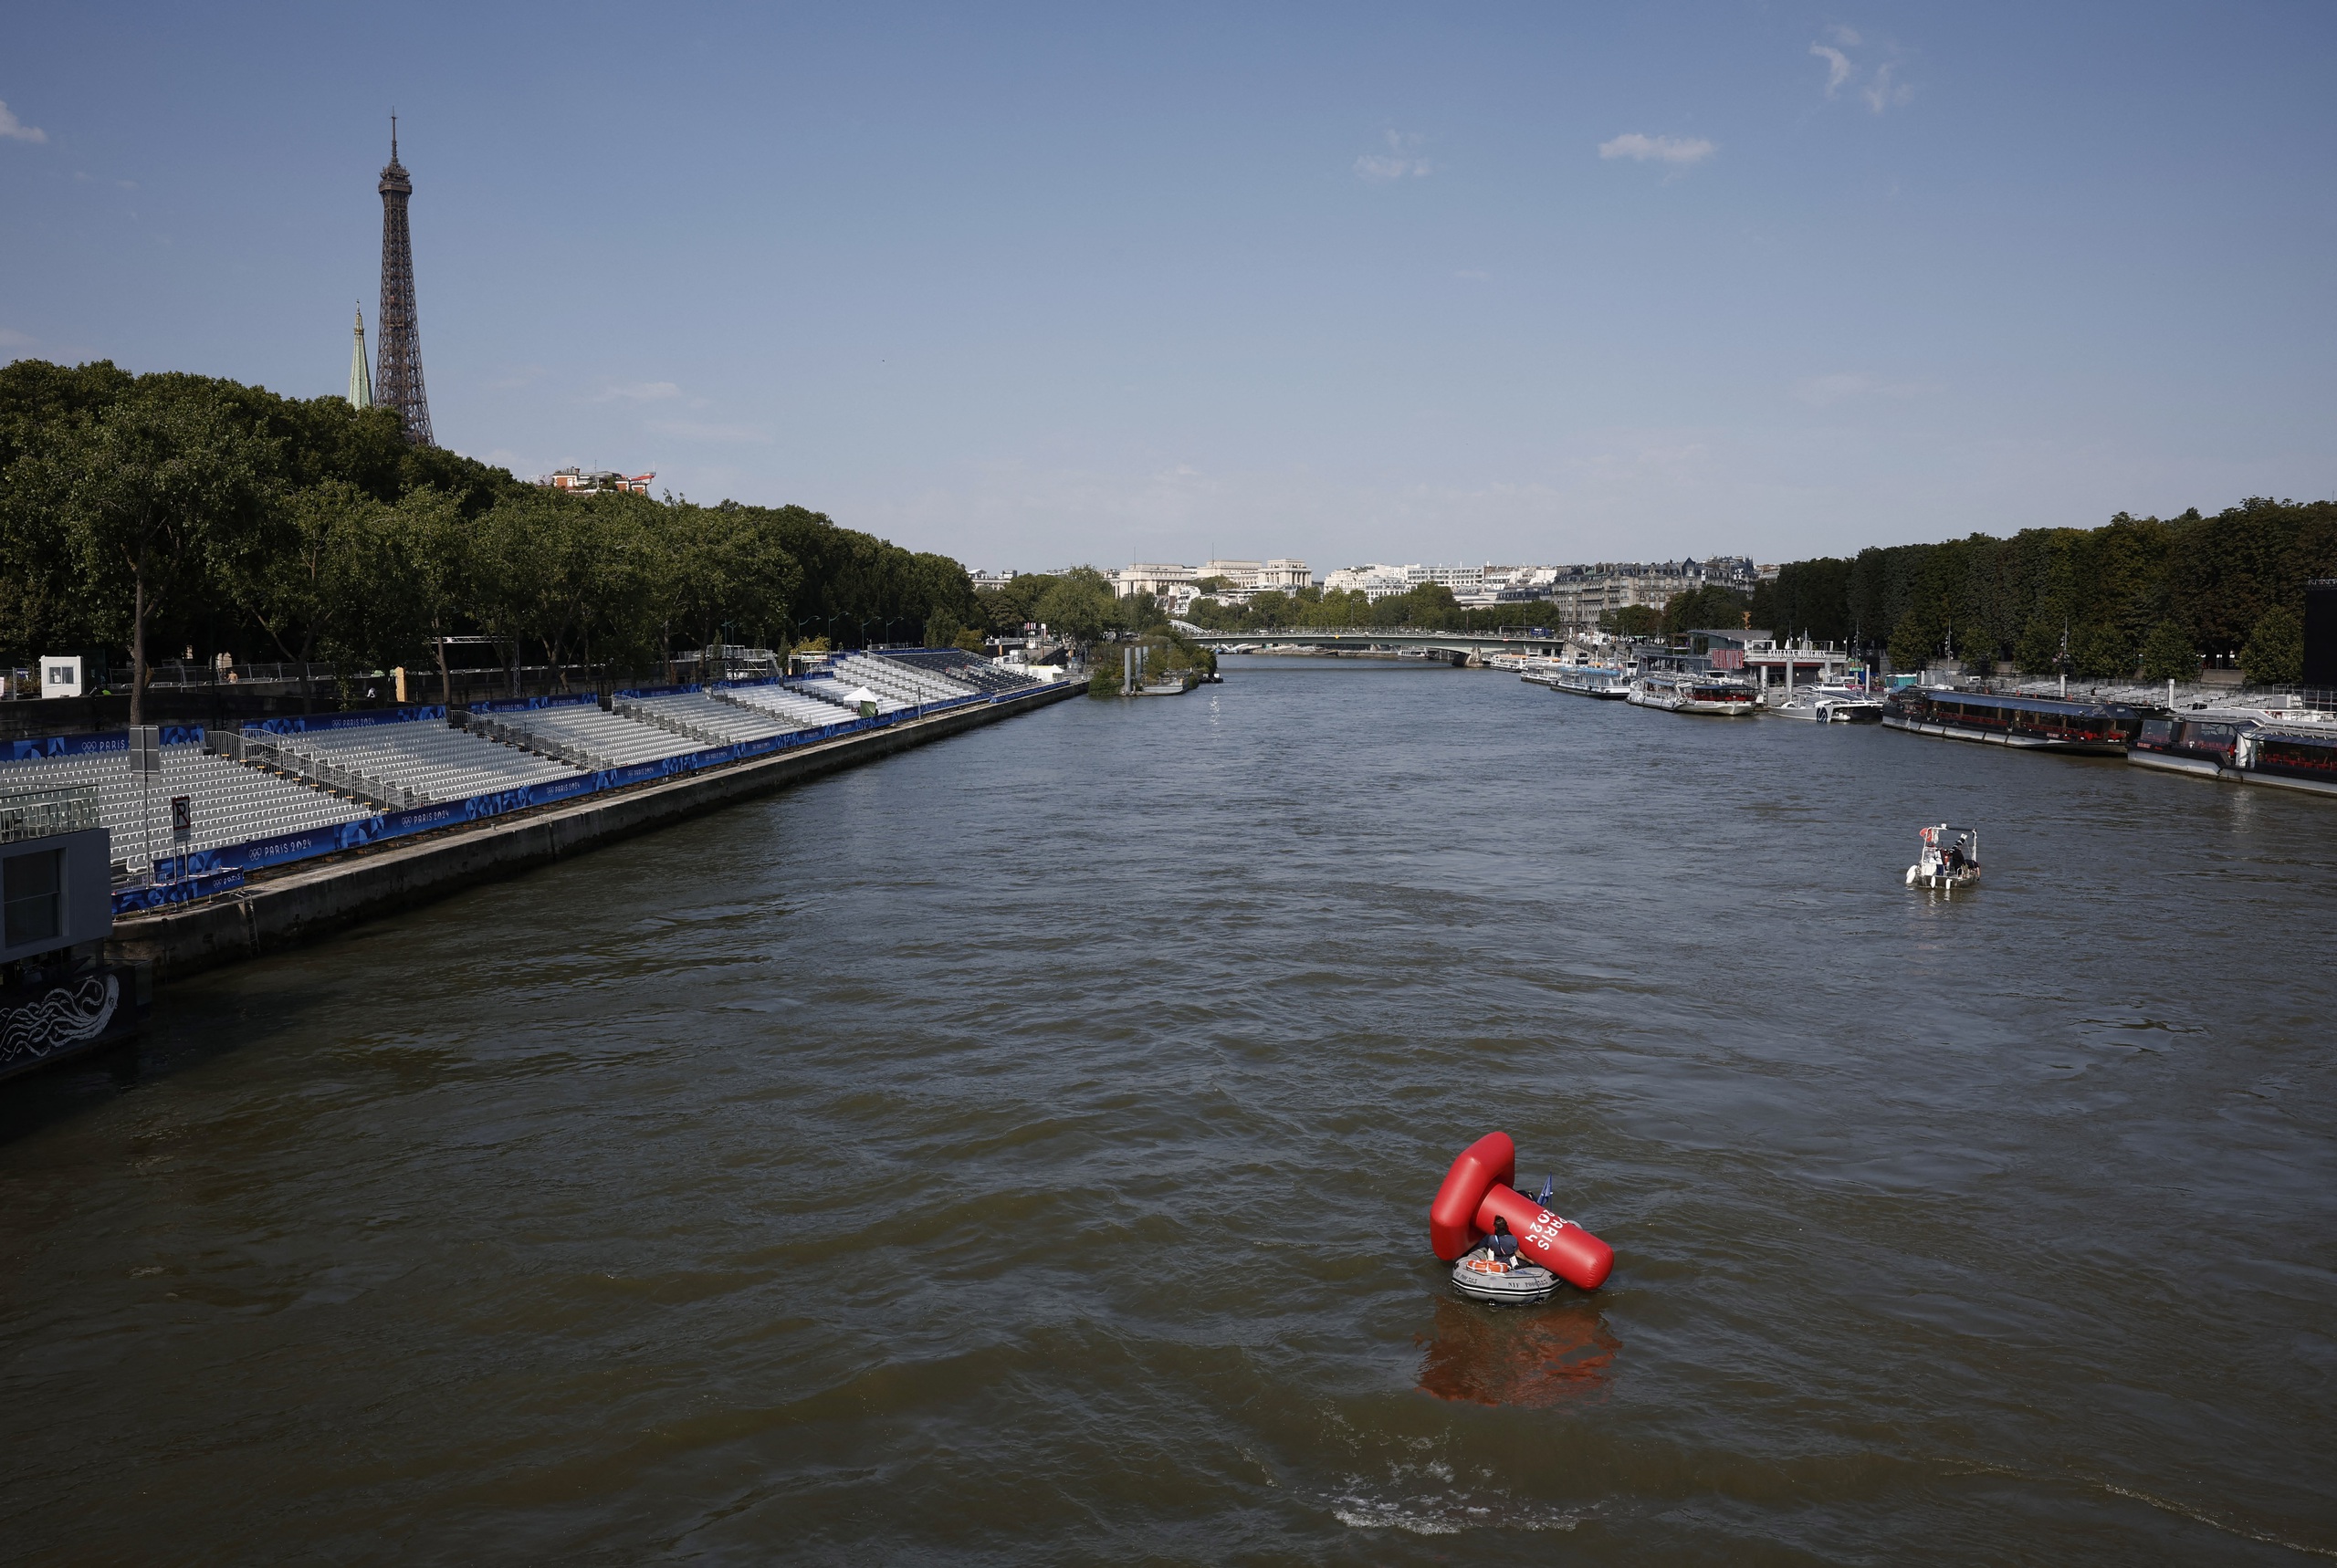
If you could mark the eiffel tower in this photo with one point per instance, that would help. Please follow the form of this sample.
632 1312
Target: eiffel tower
397 376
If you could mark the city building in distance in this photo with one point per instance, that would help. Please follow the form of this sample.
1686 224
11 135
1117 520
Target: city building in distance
596 481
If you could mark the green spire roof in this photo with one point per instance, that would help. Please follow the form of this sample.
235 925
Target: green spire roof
360 380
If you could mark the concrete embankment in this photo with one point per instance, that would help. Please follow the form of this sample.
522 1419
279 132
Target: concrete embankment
284 910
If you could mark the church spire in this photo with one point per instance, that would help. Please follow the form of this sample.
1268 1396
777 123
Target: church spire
361 378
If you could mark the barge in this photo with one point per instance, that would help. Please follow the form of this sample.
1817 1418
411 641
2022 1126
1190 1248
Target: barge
2291 758
2206 746
2028 723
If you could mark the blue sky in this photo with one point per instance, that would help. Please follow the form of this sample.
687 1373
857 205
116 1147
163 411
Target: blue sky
1036 285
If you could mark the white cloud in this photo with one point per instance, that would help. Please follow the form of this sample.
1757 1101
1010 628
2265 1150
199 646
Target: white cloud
1880 92
643 392
11 338
1838 67
16 130
1401 160
1680 150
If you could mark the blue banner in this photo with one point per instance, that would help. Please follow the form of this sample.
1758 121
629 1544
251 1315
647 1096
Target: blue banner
304 724
521 705
134 900
49 745
632 692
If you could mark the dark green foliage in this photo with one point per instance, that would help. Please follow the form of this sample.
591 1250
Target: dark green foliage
2097 597
2167 654
1711 608
2274 653
1632 620
1809 599
273 528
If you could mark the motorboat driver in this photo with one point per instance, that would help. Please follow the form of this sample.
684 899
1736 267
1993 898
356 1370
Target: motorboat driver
1503 1244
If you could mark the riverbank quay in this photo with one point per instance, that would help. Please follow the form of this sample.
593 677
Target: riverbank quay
272 910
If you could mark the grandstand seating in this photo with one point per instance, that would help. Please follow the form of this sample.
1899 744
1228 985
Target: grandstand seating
968 669
231 803
830 688
708 721
585 736
791 703
412 763
904 683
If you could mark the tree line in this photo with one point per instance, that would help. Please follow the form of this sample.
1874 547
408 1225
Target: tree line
154 513
2139 595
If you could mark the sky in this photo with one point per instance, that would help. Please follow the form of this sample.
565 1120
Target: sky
1040 285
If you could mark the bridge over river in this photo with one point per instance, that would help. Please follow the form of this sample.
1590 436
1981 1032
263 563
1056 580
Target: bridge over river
1381 641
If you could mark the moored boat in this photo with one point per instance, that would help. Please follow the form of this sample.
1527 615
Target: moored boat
1830 704
2029 723
1602 681
1688 690
2293 757
2186 745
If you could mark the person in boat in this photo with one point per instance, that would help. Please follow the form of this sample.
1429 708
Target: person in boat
1502 1244
1952 861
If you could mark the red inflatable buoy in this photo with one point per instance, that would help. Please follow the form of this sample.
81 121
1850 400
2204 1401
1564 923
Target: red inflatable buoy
1477 1190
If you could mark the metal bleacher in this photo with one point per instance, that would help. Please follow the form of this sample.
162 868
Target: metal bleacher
231 803
968 669
906 682
792 703
829 687
584 735
708 720
409 763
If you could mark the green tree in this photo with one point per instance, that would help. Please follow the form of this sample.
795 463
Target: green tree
333 577
1711 608
437 545
1078 605
2167 654
1632 620
2273 654
144 495
2101 651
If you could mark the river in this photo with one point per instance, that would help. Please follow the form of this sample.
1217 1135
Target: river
1019 1151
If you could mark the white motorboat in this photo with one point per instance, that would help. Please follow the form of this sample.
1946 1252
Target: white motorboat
1685 691
1832 704
1946 862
